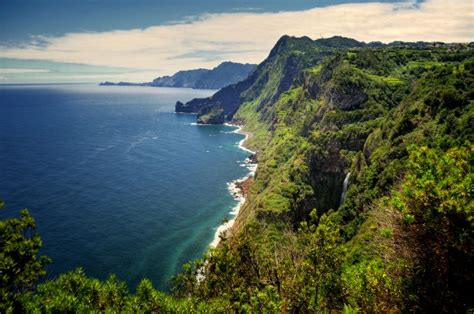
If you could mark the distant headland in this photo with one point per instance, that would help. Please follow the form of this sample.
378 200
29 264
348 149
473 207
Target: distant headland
224 74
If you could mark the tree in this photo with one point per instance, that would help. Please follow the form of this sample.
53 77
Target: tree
436 199
324 258
20 265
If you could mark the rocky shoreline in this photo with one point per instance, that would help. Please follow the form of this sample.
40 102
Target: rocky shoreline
238 188
244 185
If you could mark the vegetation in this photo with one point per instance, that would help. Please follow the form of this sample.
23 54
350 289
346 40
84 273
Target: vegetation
20 266
21 288
398 118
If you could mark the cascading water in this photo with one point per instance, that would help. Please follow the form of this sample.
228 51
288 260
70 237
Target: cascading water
345 184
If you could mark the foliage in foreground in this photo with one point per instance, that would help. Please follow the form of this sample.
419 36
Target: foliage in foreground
22 291
400 120
313 269
20 266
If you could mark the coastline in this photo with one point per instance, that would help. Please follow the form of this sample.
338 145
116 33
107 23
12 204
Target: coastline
235 187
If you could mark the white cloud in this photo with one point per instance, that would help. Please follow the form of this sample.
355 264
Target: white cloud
20 71
247 37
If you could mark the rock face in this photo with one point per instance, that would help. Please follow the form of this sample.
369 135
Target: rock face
244 185
337 84
180 107
346 97
224 74
273 76
211 115
224 103
281 69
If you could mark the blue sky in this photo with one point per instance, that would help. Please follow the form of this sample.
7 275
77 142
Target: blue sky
22 18
89 41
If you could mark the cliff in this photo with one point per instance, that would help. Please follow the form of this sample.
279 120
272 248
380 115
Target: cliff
274 75
398 117
224 74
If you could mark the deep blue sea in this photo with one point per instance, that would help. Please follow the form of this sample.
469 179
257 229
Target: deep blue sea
118 183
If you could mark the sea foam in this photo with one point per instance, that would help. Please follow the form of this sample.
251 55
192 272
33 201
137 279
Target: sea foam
234 190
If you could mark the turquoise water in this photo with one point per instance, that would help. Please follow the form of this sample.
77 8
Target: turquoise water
117 182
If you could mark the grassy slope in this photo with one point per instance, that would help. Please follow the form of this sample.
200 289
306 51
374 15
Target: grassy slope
400 120
272 77
309 140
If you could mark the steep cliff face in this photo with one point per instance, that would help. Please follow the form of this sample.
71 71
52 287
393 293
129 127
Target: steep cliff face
226 100
396 117
273 76
399 118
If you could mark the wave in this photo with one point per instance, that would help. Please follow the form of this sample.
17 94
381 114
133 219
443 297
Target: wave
234 190
201 124
177 112
238 130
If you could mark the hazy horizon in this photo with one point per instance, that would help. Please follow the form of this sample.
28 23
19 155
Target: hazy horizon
90 42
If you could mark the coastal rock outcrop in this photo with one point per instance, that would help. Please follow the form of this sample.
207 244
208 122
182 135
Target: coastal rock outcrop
244 185
211 115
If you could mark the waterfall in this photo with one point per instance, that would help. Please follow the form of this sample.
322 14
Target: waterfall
344 188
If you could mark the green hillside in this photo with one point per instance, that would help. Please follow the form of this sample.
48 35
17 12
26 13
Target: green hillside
395 122
273 76
400 120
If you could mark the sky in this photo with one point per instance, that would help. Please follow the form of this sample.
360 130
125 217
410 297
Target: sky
67 41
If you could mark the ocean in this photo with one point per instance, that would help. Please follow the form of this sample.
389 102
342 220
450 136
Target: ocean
117 182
